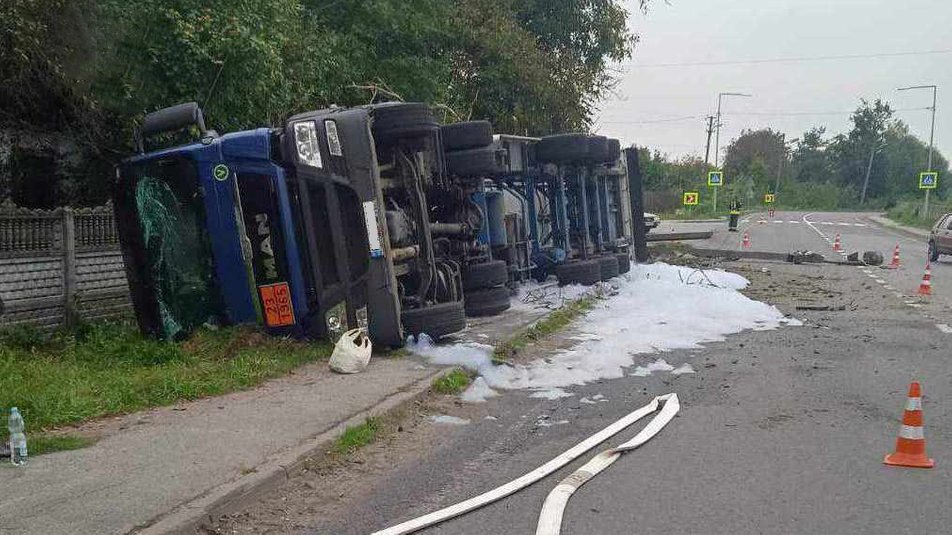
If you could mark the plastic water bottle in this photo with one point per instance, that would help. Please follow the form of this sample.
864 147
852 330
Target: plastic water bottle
17 437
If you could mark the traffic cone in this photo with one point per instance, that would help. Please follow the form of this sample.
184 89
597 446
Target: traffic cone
925 287
746 243
911 443
836 243
895 261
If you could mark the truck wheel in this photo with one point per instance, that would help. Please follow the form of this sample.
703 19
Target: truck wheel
436 321
485 275
933 252
585 272
598 149
614 150
624 262
474 162
394 120
562 148
466 135
487 302
609 267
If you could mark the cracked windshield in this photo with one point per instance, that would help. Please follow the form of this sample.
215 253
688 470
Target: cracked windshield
475 267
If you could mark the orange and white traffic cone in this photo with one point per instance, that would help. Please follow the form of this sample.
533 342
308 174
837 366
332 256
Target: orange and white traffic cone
911 444
836 243
925 287
895 260
746 243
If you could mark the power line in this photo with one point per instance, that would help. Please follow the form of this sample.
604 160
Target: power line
755 114
800 59
654 121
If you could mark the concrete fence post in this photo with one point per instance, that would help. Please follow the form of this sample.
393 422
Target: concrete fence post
69 268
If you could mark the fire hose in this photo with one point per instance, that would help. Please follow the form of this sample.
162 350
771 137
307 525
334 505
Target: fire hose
550 519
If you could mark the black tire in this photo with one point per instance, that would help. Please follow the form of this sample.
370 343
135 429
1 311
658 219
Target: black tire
624 262
933 252
598 149
485 275
614 150
394 120
609 267
436 321
474 162
562 148
487 302
466 135
585 272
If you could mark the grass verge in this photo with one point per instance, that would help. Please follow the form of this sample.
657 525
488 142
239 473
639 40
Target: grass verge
358 436
109 368
453 382
40 444
548 325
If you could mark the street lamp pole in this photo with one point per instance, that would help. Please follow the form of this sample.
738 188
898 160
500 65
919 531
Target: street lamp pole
717 135
931 134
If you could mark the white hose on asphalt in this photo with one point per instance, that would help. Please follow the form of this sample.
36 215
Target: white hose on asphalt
550 518
539 473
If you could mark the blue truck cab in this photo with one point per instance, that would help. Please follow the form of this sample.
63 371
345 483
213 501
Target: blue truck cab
308 229
212 232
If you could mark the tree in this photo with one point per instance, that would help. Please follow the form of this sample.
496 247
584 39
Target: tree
756 154
854 153
810 162
88 71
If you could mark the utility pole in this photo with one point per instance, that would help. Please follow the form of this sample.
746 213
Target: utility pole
717 134
931 135
783 156
707 148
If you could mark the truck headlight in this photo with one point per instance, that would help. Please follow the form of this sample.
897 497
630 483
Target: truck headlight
308 149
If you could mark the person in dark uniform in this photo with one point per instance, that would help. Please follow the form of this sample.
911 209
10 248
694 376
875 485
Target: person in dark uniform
734 216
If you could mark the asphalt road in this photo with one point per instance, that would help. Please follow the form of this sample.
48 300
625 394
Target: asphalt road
816 231
780 431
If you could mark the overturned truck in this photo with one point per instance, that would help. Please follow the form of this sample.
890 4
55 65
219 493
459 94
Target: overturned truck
307 229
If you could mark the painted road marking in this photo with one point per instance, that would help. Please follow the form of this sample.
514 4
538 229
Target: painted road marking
793 222
944 328
880 281
888 287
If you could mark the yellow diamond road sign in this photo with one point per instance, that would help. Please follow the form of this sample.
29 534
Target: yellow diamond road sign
769 198
691 198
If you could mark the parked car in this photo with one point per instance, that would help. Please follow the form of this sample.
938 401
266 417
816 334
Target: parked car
652 221
940 239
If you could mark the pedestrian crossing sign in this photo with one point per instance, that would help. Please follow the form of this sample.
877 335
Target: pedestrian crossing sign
715 178
928 180
768 198
691 198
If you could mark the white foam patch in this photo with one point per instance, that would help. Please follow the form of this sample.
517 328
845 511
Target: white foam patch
478 392
659 308
659 365
682 369
446 419
534 296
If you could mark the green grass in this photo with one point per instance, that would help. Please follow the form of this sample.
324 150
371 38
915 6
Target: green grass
909 214
547 326
108 368
357 436
40 444
452 383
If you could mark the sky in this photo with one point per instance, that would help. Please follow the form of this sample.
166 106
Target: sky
664 107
